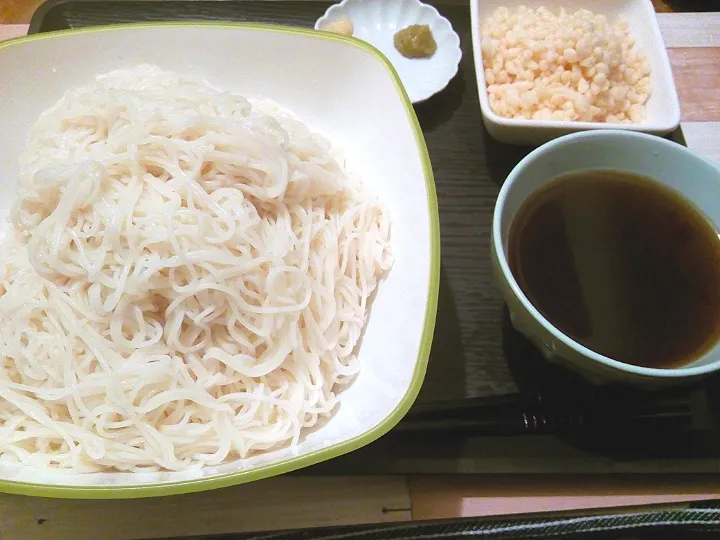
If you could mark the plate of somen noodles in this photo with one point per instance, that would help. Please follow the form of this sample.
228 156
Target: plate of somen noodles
214 268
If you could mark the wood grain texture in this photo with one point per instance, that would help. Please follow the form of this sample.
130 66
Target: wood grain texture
697 76
20 11
529 455
468 356
475 351
280 503
17 11
301 501
442 497
689 29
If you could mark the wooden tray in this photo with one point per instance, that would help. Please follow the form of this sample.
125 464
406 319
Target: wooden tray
484 379
312 501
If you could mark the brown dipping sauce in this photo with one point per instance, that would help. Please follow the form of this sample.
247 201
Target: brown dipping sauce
621 264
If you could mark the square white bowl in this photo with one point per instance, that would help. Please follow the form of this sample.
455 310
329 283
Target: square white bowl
662 110
342 88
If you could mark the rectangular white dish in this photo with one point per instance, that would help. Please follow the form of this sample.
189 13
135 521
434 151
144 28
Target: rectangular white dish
662 109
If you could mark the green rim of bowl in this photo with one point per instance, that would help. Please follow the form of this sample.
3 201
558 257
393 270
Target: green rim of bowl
266 471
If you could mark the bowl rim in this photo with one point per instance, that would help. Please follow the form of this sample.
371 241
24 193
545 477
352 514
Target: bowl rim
339 9
498 246
323 454
653 127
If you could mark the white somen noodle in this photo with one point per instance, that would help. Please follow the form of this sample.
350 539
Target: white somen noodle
185 282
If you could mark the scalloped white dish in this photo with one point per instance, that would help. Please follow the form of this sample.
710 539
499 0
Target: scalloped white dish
377 21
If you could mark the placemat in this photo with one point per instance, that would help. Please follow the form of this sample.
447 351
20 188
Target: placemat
483 377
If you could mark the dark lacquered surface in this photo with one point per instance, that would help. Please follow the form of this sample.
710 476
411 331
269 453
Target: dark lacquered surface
490 381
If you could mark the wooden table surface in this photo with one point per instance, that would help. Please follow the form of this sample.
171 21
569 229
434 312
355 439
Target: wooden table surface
693 40
20 11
